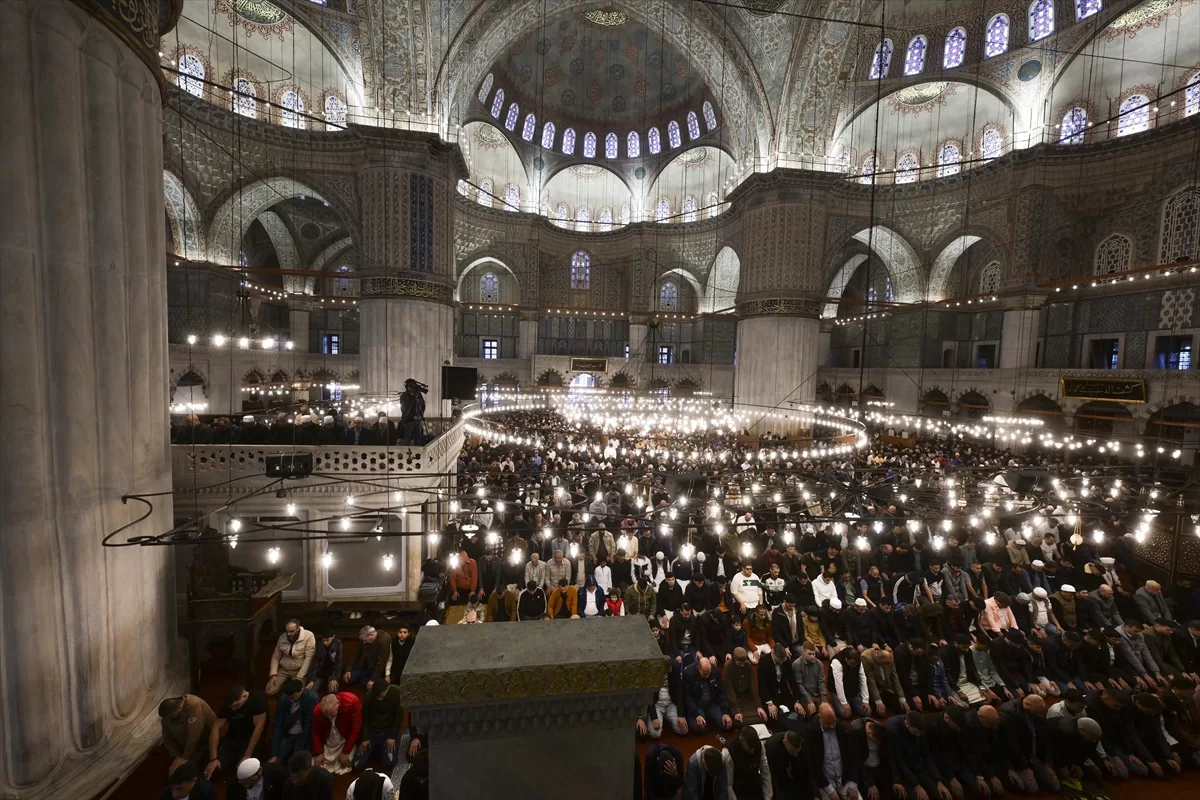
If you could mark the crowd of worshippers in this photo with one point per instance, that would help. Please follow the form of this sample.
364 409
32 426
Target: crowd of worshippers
332 716
305 426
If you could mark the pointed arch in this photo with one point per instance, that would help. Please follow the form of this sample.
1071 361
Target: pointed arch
187 226
241 207
898 256
837 287
943 265
720 290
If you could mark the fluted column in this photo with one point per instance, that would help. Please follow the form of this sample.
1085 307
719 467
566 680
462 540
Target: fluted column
298 311
88 643
406 318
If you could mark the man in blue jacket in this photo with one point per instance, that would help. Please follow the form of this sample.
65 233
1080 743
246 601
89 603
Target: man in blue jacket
705 699
706 773
293 721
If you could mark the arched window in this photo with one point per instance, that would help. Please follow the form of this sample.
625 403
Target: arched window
655 140
625 214
497 103
512 198
561 213
673 134
662 210
548 136
581 271
713 204
1041 19
882 60
293 108
583 219
244 102
610 146
485 88
528 127
872 295
693 123
668 297
867 173
191 74
889 293
843 161
606 219
342 285
569 142
462 187
335 113
949 156
1181 226
689 209
710 116
1085 8
992 143
1073 126
1115 254
914 58
489 288
996 42
485 192
908 168
989 278
589 145
510 120
1192 96
633 144
956 48
1134 115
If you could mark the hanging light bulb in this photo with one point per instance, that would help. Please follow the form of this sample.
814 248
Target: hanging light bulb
990 538
573 549
273 555
514 557
327 560
747 550
687 551
290 509
433 539
492 537
345 523
1097 536
454 561
235 525
388 562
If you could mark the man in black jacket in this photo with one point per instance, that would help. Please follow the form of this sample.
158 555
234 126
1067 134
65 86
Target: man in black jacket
956 752
1023 733
777 685
1147 738
791 771
911 760
700 595
832 756
916 676
687 636
664 772
670 595
746 770
787 626
868 741
401 648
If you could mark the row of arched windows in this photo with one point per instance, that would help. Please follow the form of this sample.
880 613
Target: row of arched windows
612 141
908 162
1134 114
995 42
243 97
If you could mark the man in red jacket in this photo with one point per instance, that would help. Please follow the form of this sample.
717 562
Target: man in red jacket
337 723
464 580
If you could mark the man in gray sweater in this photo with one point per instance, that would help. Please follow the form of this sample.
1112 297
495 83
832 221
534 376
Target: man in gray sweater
810 678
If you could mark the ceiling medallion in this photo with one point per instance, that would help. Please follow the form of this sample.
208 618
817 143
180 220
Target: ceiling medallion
609 19
1148 14
255 16
696 157
762 7
919 95
586 171
489 138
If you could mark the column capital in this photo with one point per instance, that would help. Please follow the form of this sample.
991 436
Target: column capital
413 285
780 307
1026 301
140 24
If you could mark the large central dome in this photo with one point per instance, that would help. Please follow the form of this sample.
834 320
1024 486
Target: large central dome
600 68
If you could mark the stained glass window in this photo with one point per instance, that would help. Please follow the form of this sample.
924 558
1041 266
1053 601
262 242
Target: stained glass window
485 88
882 60
996 42
992 143
662 210
1115 254
989 278
569 142
548 136
889 293
914 59
485 193
1041 19
689 209
1074 124
528 127
560 213
512 198
583 219
908 168
633 144
673 134
668 297
867 173
843 161
510 120
625 214
1180 226
956 48
335 113
949 157
606 219
581 271
1192 96
191 74
489 288
498 103
243 98
293 107
693 123
1134 116
610 146
1085 8
655 140
589 145
710 116
713 204
462 187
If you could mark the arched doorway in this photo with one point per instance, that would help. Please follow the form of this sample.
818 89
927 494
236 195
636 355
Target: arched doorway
935 403
1039 406
972 405
583 381
1103 418
1174 426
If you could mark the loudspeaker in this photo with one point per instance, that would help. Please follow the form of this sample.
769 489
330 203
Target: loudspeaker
459 383
290 465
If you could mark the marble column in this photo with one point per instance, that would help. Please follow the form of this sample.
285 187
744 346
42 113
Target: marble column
638 332
88 647
1018 339
776 361
298 311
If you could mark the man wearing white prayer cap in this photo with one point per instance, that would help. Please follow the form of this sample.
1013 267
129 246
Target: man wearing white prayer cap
257 781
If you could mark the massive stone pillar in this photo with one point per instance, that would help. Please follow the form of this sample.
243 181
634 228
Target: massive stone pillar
777 360
88 640
298 311
406 318
1022 324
